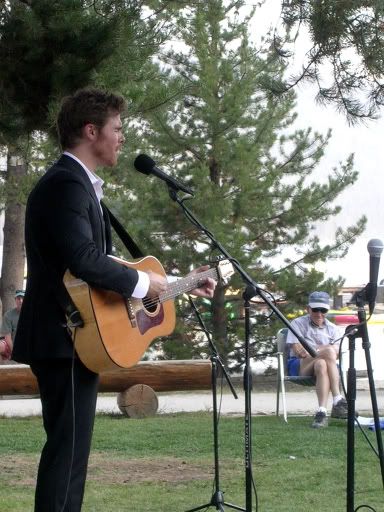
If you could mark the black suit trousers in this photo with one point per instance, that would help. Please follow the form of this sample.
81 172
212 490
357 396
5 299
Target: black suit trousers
68 392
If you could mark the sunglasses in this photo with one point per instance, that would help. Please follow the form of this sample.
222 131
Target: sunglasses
319 310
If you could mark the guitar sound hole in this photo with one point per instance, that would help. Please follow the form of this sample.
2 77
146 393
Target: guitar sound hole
150 305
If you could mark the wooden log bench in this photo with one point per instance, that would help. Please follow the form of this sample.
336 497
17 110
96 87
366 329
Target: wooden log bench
136 385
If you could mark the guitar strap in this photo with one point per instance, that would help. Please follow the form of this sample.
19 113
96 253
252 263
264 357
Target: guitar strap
67 305
127 240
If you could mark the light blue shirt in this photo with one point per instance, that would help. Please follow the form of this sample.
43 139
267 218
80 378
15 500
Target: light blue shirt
314 335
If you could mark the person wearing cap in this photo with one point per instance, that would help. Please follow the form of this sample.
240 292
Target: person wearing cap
9 325
323 336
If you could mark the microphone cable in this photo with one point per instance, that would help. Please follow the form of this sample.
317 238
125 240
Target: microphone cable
73 418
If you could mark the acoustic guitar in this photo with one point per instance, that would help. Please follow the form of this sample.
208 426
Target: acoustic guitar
118 331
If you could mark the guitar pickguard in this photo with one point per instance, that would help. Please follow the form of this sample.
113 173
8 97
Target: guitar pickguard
146 322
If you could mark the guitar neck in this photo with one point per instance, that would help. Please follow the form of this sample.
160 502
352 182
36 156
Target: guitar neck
186 284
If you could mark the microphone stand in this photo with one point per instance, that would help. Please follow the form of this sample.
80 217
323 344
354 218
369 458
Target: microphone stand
251 290
359 331
217 499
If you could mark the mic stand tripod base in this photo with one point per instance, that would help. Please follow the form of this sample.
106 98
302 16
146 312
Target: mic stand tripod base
217 499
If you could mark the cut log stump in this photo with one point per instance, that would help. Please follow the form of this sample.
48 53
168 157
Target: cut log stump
139 401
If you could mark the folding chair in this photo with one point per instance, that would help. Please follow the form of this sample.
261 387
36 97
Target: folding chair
282 373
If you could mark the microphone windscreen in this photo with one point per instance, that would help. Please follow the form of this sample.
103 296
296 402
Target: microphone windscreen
375 247
144 163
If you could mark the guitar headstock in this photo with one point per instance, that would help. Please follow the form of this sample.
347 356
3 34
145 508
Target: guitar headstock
225 270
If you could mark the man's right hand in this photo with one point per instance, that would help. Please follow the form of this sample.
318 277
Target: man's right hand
157 284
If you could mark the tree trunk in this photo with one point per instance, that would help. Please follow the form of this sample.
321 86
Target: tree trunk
12 270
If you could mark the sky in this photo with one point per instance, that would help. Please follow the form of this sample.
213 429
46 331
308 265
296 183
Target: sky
365 197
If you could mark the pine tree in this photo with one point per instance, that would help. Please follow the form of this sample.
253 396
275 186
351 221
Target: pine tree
49 48
345 55
222 133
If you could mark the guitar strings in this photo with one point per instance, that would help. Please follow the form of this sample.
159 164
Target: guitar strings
150 302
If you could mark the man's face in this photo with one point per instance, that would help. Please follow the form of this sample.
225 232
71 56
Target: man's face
108 142
317 315
19 302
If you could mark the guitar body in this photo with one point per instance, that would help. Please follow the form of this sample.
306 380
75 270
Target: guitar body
117 331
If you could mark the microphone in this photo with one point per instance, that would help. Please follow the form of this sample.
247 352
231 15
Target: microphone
375 248
144 163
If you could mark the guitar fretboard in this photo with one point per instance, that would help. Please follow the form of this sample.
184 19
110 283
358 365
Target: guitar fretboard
186 284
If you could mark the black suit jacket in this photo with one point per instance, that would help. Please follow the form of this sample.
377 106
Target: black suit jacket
64 229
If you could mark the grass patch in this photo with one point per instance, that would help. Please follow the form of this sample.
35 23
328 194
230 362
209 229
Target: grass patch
165 464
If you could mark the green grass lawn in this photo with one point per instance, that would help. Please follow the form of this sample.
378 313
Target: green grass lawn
165 463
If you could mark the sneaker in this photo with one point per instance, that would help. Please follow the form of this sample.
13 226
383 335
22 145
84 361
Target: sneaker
321 420
340 410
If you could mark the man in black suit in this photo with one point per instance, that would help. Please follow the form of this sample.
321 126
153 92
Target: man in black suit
66 229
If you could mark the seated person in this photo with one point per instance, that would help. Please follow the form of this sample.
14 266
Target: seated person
9 326
322 335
